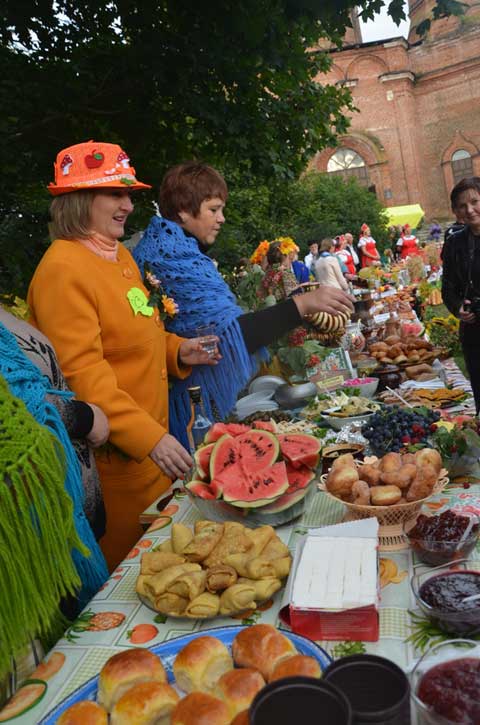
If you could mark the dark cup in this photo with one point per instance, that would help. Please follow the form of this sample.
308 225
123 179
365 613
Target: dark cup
377 689
285 701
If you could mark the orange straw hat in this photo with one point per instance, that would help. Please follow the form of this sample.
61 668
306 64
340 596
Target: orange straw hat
93 165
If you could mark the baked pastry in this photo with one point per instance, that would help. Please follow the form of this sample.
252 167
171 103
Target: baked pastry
431 457
385 495
275 549
236 598
423 483
189 585
124 670
145 704
201 663
220 577
260 538
158 583
237 688
200 708
243 718
85 712
297 666
370 473
256 568
153 562
165 546
181 537
203 543
342 476
234 540
390 463
205 605
264 588
361 493
170 603
262 647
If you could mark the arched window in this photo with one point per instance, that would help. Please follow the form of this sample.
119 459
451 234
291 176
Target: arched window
346 162
461 165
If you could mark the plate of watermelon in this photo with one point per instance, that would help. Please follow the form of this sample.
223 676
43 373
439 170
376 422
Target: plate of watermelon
254 474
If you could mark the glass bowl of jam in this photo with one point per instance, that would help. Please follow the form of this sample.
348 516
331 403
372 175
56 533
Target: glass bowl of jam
442 595
443 538
445 684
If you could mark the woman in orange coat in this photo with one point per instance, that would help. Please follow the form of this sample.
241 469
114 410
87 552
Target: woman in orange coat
88 297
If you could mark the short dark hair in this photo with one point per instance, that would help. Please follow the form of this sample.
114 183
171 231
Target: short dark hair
185 186
312 241
274 255
470 182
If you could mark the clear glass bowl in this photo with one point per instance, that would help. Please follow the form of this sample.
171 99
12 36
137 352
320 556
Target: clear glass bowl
280 510
452 651
447 584
438 553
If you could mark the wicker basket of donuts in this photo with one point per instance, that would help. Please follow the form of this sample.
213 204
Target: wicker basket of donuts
216 569
207 682
392 488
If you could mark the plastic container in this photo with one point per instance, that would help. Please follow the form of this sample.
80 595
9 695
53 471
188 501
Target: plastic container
456 692
292 699
377 689
449 585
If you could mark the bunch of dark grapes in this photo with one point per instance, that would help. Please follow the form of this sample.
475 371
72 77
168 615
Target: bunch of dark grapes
394 428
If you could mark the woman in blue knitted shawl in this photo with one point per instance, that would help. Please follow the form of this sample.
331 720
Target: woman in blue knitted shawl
174 246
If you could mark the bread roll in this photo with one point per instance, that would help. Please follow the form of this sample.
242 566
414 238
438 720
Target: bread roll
84 713
237 688
297 666
153 562
199 708
124 670
385 495
200 664
181 537
149 703
262 647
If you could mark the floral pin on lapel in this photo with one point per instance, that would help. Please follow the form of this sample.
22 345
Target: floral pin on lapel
167 307
139 302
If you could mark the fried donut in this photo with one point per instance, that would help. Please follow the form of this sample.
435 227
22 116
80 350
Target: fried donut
423 483
361 493
390 463
429 456
370 473
402 478
385 495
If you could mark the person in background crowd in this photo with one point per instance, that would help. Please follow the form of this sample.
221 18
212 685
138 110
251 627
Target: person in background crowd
408 243
461 274
192 200
259 256
312 255
345 257
368 248
299 269
435 231
279 281
88 297
350 247
327 268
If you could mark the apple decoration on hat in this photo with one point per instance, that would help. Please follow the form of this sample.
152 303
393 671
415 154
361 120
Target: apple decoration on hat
94 160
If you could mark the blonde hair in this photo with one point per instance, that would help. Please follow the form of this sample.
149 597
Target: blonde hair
71 214
326 245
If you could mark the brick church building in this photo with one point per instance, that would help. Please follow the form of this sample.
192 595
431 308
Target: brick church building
418 127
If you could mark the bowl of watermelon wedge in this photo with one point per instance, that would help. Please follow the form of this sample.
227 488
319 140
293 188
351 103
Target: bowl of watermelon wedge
253 474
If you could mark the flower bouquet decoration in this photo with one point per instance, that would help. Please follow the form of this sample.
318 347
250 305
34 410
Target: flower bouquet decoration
167 307
459 445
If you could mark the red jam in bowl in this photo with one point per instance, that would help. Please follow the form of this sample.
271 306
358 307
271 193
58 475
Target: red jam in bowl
452 689
445 594
440 539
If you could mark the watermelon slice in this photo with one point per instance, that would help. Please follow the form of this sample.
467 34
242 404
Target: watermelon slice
201 489
224 455
258 449
269 425
300 449
298 480
257 489
219 429
202 460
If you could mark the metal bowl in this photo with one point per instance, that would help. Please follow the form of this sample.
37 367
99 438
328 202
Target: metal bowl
294 396
265 383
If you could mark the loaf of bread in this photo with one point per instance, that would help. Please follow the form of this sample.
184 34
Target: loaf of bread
238 687
199 708
262 647
124 670
297 666
144 704
85 712
201 663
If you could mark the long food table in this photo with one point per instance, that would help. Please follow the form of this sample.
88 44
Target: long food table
116 619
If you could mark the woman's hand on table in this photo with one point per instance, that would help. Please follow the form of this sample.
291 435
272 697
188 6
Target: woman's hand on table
192 352
100 429
324 299
171 457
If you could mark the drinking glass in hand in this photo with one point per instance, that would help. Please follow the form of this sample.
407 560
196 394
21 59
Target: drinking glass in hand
208 340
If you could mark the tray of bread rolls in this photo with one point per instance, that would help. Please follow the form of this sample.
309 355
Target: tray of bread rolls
215 569
217 672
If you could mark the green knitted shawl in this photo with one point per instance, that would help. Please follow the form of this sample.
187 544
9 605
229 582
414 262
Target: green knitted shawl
37 531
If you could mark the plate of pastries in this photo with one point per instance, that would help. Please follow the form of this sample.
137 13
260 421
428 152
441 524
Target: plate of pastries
210 677
395 482
215 569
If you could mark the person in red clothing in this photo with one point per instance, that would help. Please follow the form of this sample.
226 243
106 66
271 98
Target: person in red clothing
368 247
408 243
342 252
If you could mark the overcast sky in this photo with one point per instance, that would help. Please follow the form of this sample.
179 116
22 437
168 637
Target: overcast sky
383 27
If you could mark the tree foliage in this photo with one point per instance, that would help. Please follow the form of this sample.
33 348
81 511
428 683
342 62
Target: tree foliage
231 82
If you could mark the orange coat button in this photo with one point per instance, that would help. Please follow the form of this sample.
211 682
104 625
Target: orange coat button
158 320
128 273
163 373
